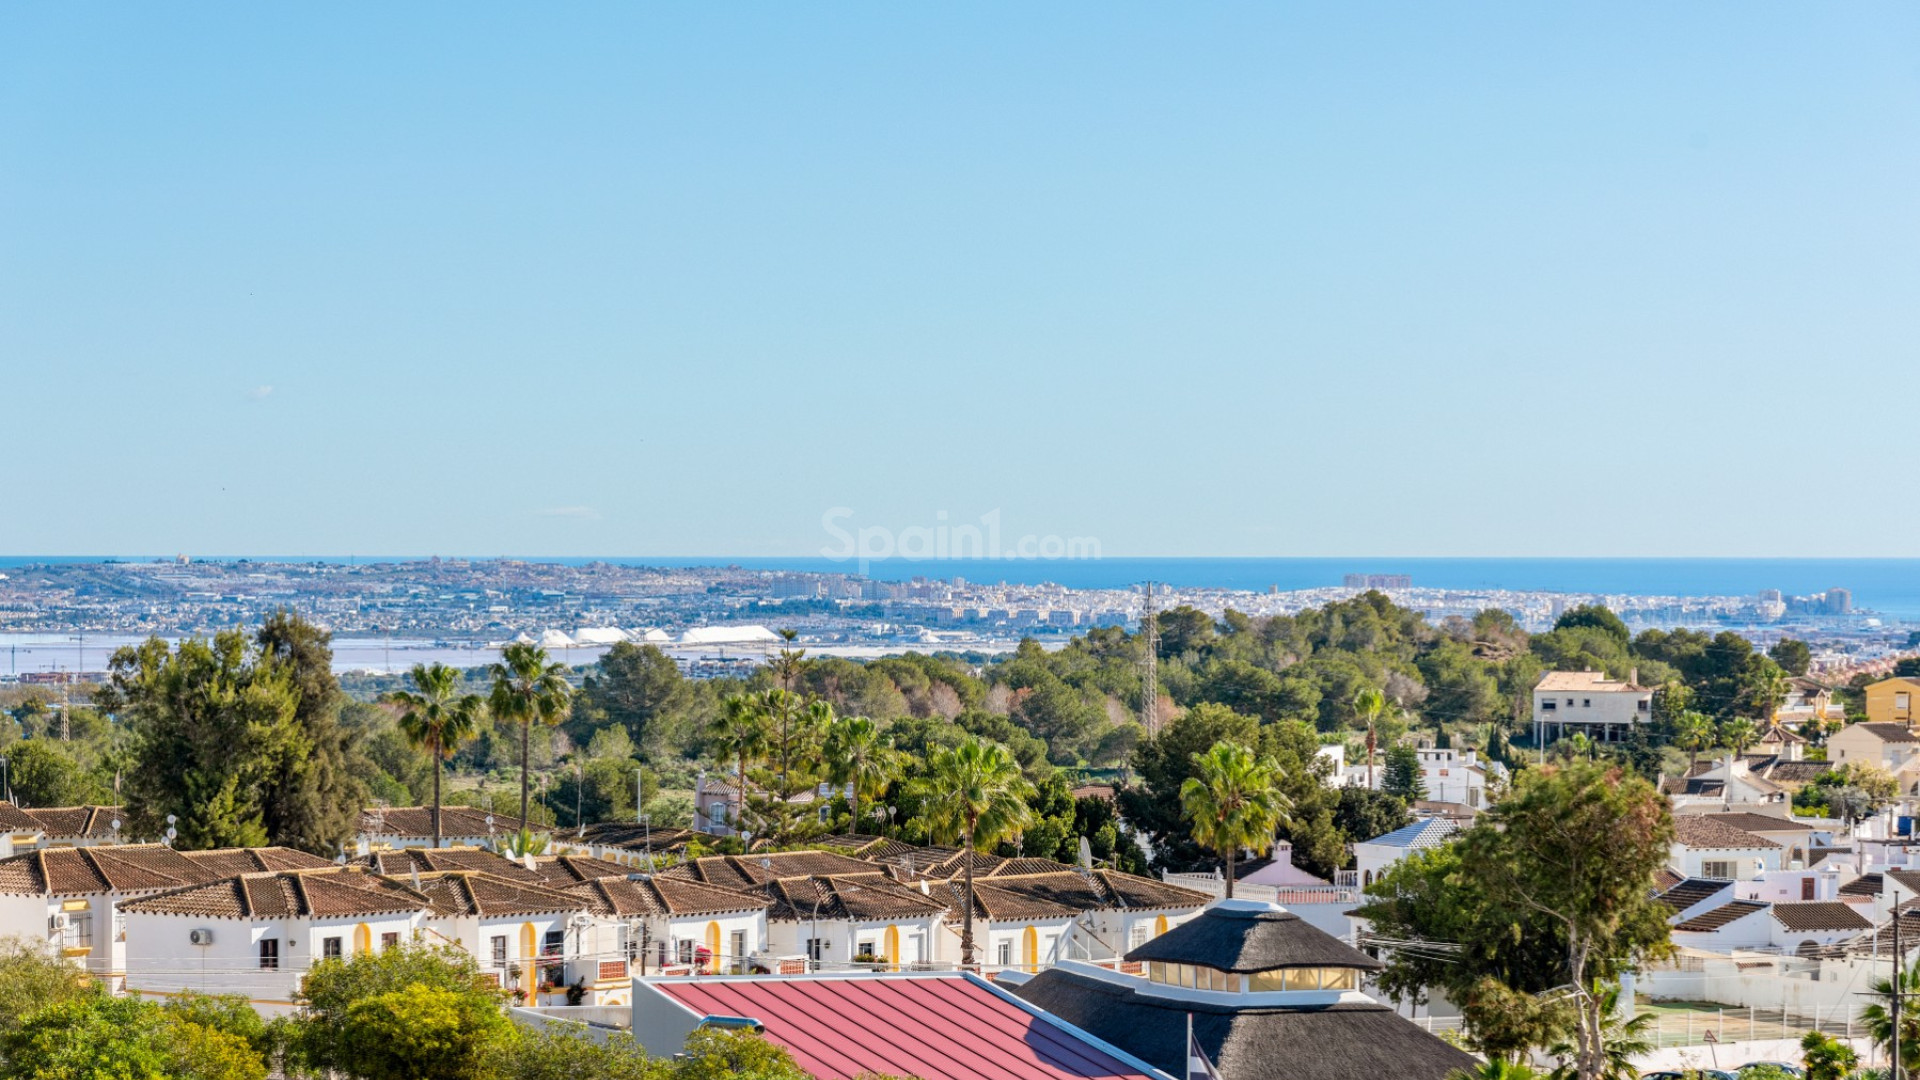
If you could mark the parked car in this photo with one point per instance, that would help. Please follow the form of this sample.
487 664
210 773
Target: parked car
1754 1066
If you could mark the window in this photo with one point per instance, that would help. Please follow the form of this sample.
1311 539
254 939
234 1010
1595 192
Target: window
815 948
1716 868
1806 889
80 930
737 942
1586 703
1006 954
554 943
865 948
500 949
389 940
1549 705
269 954
684 951
330 948
1137 935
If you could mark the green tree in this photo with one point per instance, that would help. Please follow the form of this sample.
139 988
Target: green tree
569 1053
1826 1058
859 754
528 689
436 717
314 801
1596 616
1234 801
1403 779
739 732
1794 656
1363 813
327 1039
1498 1069
1739 733
33 978
42 774
1368 705
713 1054
1693 732
98 1037
423 1032
1622 1038
1579 845
973 793
1877 1018
212 730
636 686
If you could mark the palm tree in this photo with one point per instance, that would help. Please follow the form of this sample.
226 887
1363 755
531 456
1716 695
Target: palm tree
1693 732
861 756
1621 1040
528 689
739 732
1739 733
1769 689
1234 801
975 793
437 718
1826 1057
1878 1018
1498 1069
1370 703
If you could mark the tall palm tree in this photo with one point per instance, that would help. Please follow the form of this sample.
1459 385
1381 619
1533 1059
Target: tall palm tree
1769 689
739 732
975 793
1234 801
1621 1040
1877 1018
860 755
529 689
436 717
1370 703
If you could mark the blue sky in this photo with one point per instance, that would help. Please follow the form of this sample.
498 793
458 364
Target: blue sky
1354 279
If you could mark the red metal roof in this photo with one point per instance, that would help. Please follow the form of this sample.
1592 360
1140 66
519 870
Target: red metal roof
935 1027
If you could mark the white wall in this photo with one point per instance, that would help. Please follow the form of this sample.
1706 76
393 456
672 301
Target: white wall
162 960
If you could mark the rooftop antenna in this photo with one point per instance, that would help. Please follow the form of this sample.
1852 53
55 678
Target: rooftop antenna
1150 676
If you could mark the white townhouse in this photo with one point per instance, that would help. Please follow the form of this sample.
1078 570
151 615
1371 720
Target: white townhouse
654 926
258 934
835 921
1456 775
525 935
70 898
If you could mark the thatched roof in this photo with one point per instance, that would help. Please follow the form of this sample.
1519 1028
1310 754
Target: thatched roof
1247 935
1346 1041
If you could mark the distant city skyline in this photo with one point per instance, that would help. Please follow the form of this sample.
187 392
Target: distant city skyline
1235 281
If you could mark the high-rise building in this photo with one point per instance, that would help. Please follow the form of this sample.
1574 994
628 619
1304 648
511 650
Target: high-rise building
1839 601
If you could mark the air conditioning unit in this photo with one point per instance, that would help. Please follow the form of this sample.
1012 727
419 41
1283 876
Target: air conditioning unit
57 922
200 937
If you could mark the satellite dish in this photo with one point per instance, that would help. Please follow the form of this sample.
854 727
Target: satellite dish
1086 854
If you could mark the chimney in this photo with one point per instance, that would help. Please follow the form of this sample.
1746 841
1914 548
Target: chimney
1633 675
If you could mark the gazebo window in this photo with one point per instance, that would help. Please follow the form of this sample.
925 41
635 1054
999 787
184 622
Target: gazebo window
1305 979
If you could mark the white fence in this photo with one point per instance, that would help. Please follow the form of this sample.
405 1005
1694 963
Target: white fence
1215 885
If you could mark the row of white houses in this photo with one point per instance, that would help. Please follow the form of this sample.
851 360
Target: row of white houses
150 920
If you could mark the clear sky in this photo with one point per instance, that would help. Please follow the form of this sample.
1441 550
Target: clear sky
1190 279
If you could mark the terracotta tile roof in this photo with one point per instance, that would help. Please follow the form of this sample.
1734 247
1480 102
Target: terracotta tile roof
332 893
1892 733
465 892
228 862
1701 833
1004 905
747 871
14 819
563 870
626 898
75 822
1757 823
1818 916
416 822
1708 921
1864 885
632 836
858 897
1665 878
404 862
